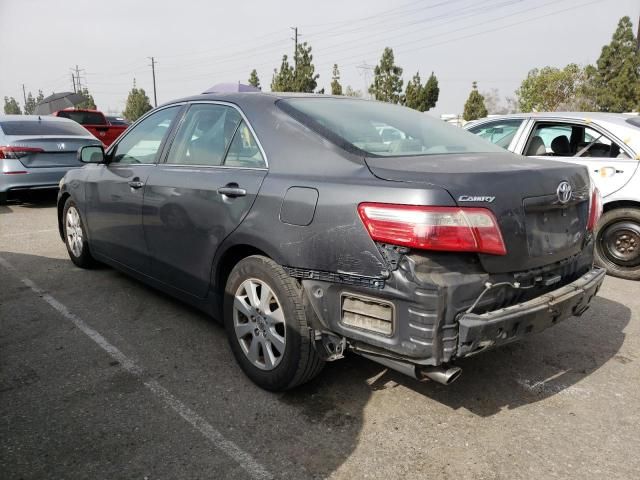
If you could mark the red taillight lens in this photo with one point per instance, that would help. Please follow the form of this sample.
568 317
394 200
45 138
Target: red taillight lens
595 208
434 228
18 152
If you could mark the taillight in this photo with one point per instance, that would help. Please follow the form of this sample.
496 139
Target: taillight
595 208
18 152
451 229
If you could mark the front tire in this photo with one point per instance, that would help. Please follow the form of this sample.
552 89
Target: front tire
75 236
267 326
618 243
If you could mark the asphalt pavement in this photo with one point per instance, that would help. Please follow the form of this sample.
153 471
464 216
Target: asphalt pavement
102 377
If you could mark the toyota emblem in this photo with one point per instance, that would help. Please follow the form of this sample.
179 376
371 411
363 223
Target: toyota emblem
564 192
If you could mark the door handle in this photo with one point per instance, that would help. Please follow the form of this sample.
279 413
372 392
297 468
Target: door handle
136 184
232 192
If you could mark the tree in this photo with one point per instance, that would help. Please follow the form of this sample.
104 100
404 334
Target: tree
336 88
253 79
282 80
304 76
137 104
495 105
30 104
474 107
413 93
422 97
387 81
616 77
553 89
89 103
431 92
11 106
350 92
40 97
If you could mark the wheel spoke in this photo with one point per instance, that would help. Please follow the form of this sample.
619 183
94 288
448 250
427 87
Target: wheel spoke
251 288
269 357
240 304
276 316
242 329
253 353
266 295
276 340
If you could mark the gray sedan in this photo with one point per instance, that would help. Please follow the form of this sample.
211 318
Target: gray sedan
309 232
36 151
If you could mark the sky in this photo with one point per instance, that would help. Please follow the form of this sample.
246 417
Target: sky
198 43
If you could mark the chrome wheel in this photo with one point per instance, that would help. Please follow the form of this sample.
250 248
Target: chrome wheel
259 324
74 231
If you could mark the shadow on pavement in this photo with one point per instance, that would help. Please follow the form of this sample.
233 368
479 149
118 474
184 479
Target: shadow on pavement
31 199
312 430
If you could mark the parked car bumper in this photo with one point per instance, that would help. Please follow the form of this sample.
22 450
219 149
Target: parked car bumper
35 178
429 302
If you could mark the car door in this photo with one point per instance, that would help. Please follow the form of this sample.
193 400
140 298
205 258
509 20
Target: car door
609 161
115 190
200 193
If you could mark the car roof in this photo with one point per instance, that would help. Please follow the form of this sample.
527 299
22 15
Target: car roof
247 96
615 118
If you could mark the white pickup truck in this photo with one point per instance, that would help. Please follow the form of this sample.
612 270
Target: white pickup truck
609 145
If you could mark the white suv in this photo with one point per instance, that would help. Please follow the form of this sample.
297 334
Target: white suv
609 145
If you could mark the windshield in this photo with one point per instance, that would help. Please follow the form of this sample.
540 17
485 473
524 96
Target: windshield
382 129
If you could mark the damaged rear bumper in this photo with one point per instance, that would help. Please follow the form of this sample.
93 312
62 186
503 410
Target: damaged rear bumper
478 332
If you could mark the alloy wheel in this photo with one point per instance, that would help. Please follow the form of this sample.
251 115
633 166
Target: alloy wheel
74 231
259 323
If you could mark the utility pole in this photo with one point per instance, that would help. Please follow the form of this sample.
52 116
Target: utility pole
365 70
153 72
24 95
295 46
78 78
638 35
73 80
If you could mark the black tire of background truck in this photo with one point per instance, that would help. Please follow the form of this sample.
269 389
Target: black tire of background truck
613 225
84 260
300 363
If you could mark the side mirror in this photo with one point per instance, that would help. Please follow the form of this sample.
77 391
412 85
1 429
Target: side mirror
91 154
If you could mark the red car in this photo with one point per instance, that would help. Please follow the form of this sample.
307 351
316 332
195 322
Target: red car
95 122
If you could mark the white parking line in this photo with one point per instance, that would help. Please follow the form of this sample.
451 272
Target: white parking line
244 459
18 234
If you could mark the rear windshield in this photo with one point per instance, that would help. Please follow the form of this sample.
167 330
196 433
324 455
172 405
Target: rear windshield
83 118
382 129
42 127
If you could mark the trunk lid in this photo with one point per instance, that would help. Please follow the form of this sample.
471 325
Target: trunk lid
59 151
522 192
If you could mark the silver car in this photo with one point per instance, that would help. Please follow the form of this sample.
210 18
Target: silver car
36 151
608 144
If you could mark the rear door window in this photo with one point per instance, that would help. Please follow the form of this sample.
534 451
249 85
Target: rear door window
42 127
244 150
83 118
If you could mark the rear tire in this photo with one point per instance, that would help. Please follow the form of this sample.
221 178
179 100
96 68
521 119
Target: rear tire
618 243
267 326
75 236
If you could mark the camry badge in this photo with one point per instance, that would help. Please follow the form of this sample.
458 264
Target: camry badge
473 198
564 192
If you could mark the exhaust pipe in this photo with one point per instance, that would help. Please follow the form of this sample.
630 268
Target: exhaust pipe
443 375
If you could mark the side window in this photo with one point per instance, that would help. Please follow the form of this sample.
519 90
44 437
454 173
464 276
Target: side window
499 133
204 136
571 140
244 150
141 144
